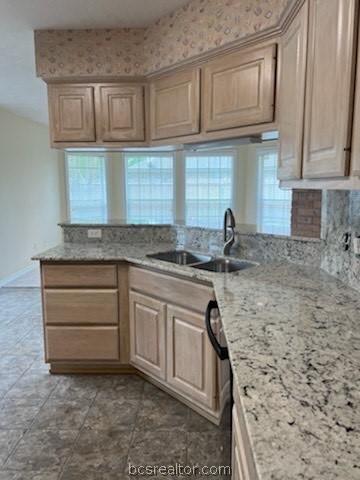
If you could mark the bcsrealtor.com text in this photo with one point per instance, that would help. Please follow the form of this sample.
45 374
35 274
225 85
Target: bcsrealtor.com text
179 470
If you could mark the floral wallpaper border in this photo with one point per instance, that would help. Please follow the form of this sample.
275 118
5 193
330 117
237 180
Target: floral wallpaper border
199 26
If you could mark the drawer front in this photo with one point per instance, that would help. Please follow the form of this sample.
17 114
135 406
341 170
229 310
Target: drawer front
82 343
79 276
175 290
78 307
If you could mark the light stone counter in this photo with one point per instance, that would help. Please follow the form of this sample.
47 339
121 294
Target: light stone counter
294 339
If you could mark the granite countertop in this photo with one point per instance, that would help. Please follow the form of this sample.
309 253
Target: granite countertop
294 339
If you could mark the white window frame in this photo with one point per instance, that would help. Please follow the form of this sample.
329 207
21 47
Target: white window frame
67 178
265 150
206 153
149 154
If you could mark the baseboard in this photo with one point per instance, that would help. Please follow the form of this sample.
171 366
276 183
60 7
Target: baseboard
14 276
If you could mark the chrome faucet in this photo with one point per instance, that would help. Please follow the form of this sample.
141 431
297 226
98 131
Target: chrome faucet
229 226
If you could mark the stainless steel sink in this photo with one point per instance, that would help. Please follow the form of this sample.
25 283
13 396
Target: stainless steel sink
181 257
224 265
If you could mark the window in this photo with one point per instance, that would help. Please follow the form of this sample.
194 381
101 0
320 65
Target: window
274 214
86 180
208 188
149 188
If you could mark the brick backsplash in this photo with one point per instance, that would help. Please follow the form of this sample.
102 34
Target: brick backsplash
306 213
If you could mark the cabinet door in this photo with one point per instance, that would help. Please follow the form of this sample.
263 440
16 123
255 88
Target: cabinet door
175 105
239 89
120 114
191 362
291 96
71 111
355 147
147 334
238 464
329 88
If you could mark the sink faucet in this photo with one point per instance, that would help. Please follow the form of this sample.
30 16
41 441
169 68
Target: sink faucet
229 232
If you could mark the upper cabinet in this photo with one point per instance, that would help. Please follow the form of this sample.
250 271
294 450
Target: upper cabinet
239 89
329 88
96 113
291 96
72 113
120 113
175 105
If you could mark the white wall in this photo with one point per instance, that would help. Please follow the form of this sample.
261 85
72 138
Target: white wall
31 192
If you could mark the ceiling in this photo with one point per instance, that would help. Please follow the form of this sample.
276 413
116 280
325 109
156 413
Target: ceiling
20 91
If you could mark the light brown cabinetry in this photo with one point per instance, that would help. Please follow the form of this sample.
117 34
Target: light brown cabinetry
120 113
147 334
242 461
175 105
81 343
96 114
239 89
329 88
81 314
291 96
355 147
81 306
169 342
190 358
72 113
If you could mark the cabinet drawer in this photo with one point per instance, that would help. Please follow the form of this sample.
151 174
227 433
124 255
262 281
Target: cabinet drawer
79 276
81 307
82 343
175 290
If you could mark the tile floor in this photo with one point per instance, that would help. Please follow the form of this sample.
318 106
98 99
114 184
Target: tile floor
87 427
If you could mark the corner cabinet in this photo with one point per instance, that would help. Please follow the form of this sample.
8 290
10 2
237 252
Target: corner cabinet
96 114
291 96
329 88
239 89
175 105
169 342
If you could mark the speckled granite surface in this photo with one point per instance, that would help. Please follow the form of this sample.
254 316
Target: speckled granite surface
294 338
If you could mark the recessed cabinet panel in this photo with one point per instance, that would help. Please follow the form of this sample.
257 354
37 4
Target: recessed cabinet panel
329 88
191 365
72 113
175 105
121 115
291 96
147 334
239 89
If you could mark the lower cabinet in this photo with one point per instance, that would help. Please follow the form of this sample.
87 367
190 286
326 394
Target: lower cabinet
191 361
242 462
169 341
147 334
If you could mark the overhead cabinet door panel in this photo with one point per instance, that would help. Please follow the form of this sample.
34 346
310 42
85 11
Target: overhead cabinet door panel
239 89
120 113
72 117
175 105
291 96
329 88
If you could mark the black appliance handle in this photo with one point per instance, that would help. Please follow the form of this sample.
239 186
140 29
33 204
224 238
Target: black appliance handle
222 352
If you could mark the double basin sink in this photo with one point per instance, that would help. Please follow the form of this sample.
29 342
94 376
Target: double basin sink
202 261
